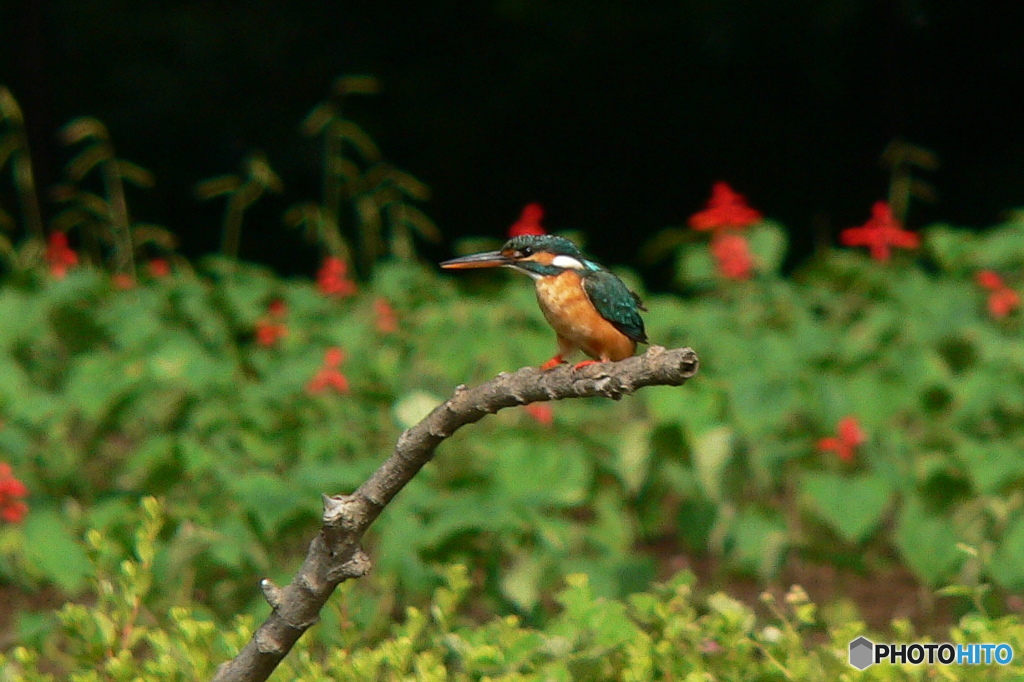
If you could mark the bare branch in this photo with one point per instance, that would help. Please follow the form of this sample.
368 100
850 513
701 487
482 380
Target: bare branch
335 554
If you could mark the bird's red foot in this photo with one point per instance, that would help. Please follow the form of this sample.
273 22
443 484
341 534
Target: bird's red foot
585 363
552 363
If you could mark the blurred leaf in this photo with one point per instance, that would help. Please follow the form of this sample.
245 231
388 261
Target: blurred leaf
768 243
157 235
695 266
712 450
258 168
318 118
520 582
1008 561
97 382
409 184
633 455
695 523
413 407
991 465
927 542
758 542
559 478
359 138
179 357
222 184
9 108
423 225
344 168
85 127
133 173
603 620
86 160
853 505
356 85
267 497
54 550
8 145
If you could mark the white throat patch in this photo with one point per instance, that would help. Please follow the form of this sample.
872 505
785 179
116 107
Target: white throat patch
562 261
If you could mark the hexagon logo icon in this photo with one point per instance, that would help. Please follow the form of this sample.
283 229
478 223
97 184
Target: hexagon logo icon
861 653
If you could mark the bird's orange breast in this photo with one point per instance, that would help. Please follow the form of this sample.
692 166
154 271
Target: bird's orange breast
575 319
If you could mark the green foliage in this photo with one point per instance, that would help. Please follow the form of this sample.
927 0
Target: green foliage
103 215
912 353
14 151
108 395
366 202
172 387
242 191
664 632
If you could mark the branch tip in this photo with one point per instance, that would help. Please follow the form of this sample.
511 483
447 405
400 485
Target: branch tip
332 503
271 592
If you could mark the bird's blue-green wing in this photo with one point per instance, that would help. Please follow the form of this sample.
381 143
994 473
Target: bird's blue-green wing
615 303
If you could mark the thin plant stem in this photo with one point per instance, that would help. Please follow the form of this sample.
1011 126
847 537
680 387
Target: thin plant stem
124 256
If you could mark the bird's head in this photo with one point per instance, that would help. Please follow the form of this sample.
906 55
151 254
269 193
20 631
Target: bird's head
535 255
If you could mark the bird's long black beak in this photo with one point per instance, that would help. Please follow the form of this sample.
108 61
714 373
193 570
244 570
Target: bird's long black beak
487 259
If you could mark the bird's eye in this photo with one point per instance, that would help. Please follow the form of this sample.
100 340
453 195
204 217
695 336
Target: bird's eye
526 251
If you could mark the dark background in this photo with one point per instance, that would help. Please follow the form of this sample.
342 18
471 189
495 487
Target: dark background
617 116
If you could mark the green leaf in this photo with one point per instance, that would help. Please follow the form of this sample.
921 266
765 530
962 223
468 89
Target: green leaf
22 316
768 244
712 451
412 407
695 266
270 499
181 358
54 550
928 542
853 505
1008 561
520 582
991 465
97 382
633 455
759 542
533 475
602 620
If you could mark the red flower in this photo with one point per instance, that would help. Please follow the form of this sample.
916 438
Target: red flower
277 308
850 437
123 281
726 209
59 256
989 279
12 509
387 319
271 328
880 233
329 376
529 221
332 280
1002 300
541 413
732 256
159 267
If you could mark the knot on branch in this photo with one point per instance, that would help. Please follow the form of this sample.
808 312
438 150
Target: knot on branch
344 512
357 566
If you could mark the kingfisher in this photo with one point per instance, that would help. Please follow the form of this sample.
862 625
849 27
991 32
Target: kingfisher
588 306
